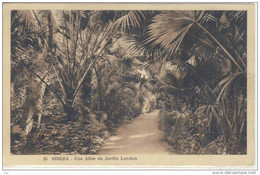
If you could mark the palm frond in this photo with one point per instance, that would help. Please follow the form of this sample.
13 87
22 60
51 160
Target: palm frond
225 84
208 17
134 21
168 29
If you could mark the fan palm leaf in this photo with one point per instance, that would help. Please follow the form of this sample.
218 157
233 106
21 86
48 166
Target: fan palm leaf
168 29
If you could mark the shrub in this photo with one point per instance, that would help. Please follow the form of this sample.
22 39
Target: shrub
191 133
121 107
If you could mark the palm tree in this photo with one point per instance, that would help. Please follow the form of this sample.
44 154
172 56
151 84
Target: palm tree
207 35
83 48
188 26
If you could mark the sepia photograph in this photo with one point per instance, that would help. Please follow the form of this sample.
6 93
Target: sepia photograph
127 83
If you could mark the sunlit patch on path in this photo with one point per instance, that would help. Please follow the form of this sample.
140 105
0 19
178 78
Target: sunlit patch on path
139 136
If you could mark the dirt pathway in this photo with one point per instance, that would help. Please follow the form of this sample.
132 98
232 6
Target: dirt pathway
141 136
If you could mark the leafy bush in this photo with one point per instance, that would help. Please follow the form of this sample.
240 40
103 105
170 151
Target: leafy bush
121 107
191 133
175 124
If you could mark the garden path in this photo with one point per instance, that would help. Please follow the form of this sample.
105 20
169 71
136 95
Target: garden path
141 136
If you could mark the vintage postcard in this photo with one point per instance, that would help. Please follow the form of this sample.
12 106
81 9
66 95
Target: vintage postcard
129 85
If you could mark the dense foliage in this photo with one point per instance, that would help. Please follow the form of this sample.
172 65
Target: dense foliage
205 100
63 101
78 75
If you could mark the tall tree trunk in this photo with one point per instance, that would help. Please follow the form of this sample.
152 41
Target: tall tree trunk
99 86
32 108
